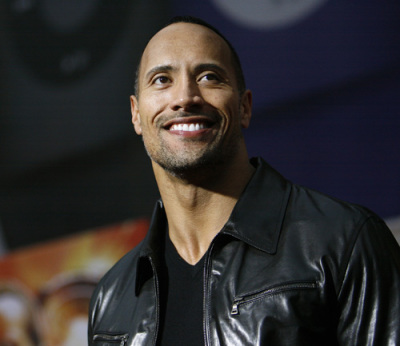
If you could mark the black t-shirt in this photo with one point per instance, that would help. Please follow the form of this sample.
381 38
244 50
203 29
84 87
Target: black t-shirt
181 300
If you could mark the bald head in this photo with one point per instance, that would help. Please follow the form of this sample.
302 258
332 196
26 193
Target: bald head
235 61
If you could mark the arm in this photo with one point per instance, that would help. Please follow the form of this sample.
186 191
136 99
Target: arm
369 299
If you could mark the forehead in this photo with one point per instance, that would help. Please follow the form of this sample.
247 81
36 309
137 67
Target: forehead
183 43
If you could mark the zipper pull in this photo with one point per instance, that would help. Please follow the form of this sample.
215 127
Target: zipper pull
235 306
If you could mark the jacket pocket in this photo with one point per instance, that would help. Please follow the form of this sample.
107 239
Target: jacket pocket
110 339
252 297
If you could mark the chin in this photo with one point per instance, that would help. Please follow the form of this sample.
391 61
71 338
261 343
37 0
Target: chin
198 167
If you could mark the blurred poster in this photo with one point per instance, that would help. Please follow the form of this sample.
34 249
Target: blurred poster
45 289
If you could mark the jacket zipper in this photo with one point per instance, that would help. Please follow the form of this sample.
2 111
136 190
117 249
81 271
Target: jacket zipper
271 291
123 338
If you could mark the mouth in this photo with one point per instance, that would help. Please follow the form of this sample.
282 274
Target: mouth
188 127
192 124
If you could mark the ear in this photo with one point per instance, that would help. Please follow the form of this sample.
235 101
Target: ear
135 115
245 108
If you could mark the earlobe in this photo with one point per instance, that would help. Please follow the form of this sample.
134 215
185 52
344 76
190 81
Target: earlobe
135 115
246 107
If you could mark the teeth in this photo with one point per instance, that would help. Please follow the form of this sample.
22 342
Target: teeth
187 127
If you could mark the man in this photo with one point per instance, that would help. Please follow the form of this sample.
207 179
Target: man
236 254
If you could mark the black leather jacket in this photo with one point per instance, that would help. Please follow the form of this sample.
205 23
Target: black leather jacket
290 267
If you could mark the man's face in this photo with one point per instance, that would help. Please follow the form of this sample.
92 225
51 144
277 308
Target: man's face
189 110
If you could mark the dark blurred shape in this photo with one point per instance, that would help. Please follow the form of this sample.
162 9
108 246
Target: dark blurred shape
61 41
69 158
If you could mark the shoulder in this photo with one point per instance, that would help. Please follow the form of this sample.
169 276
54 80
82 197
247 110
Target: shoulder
309 205
121 274
115 304
331 227
302 204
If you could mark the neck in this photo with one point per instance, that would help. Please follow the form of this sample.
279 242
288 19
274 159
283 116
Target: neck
197 209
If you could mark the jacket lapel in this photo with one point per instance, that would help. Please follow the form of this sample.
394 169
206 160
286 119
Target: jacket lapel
258 215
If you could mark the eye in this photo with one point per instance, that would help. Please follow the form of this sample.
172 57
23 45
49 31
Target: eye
161 80
210 76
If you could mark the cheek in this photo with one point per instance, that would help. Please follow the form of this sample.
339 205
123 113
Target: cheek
232 111
217 97
153 107
226 103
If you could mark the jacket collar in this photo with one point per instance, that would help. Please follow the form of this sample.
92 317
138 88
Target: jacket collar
258 215
152 247
256 219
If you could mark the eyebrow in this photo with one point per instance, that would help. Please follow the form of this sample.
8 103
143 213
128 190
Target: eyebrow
158 69
210 66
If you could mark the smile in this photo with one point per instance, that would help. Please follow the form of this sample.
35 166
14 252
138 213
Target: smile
188 127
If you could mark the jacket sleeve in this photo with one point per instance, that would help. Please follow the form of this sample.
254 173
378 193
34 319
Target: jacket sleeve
369 298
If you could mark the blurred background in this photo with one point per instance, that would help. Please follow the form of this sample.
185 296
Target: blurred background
325 77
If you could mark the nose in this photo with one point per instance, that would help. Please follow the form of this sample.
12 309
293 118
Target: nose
186 95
